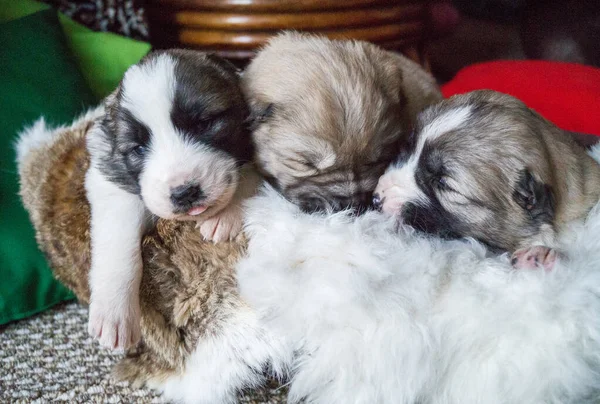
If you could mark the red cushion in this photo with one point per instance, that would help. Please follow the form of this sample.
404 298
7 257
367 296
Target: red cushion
564 93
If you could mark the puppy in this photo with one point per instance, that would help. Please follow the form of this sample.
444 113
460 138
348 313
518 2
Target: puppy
328 116
169 145
485 166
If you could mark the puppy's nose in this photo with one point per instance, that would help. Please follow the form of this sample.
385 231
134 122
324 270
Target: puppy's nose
185 195
377 202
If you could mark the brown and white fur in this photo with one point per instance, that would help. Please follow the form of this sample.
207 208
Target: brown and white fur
200 341
485 166
328 116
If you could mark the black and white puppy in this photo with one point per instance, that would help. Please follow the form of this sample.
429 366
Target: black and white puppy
170 144
484 165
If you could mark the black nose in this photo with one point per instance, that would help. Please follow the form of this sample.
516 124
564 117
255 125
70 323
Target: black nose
185 195
377 202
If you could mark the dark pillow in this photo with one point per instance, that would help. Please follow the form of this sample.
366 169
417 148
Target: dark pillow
38 76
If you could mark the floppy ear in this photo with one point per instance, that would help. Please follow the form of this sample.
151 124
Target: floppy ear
535 197
409 83
259 113
393 71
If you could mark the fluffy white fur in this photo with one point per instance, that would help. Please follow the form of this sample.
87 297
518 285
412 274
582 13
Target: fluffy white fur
377 316
232 359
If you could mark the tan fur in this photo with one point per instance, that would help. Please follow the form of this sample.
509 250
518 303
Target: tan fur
338 112
52 191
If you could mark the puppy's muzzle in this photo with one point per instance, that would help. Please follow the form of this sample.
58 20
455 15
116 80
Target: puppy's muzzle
185 196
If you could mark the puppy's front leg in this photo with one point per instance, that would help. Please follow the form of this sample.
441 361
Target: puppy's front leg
118 221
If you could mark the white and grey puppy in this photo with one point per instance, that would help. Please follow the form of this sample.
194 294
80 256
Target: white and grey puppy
170 144
485 166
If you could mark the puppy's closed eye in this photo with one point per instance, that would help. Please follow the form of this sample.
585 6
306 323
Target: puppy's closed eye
534 196
300 165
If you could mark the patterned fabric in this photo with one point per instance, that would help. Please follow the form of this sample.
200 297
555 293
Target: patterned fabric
51 358
124 17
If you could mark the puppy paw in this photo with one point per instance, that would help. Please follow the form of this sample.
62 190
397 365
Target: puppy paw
115 326
534 257
388 196
224 226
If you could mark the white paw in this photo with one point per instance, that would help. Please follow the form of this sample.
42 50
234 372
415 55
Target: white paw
388 196
116 325
224 226
535 257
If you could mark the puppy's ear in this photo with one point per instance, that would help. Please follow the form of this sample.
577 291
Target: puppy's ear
259 113
535 197
394 75
408 83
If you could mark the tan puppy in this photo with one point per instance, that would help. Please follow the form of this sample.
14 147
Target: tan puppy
200 341
328 116
483 165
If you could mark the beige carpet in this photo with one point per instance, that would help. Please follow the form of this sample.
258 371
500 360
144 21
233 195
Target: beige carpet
50 357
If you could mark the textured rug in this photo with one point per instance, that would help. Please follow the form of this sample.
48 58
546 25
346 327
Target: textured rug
50 357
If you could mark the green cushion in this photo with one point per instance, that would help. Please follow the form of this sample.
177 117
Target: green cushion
102 57
55 67
39 76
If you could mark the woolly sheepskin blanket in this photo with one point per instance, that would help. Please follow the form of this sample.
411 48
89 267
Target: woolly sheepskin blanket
370 313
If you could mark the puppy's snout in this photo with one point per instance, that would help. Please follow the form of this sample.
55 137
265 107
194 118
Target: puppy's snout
186 195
